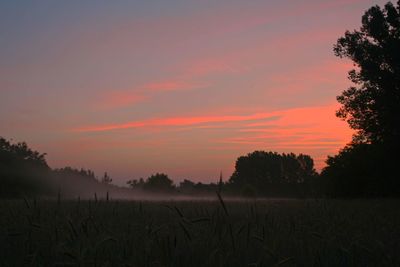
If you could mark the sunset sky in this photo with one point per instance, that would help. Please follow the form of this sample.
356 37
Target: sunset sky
176 86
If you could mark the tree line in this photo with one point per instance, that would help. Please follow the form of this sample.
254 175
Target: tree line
366 167
257 174
25 172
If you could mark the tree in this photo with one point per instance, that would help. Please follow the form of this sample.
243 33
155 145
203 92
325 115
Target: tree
272 173
138 184
354 172
368 165
106 179
23 171
372 105
69 171
186 186
20 152
159 182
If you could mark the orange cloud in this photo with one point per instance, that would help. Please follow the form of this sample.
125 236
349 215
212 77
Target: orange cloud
312 130
177 121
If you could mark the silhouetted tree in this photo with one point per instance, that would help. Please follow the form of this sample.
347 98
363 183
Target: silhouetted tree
23 171
368 166
106 179
354 172
372 105
159 182
186 187
205 189
190 188
272 173
132 183
137 184
69 171
21 152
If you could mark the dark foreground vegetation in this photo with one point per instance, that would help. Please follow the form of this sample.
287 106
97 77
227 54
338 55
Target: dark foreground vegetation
209 233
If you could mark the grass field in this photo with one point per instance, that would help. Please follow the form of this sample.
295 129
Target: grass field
200 233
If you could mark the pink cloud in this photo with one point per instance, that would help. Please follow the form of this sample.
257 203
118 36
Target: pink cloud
121 98
115 99
175 121
172 85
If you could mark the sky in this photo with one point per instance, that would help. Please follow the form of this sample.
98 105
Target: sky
183 87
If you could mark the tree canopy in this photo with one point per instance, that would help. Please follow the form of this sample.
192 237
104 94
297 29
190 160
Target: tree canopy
368 165
159 182
22 170
266 171
372 105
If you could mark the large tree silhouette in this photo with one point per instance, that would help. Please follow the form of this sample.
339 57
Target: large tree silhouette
372 105
368 165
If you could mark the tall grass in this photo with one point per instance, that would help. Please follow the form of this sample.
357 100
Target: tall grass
209 233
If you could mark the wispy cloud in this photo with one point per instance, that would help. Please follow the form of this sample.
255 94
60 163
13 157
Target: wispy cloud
313 130
172 85
114 99
177 121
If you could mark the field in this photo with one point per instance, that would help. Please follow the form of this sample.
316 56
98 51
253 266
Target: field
200 233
